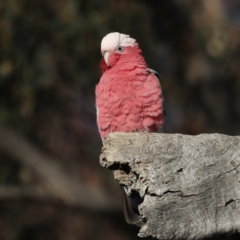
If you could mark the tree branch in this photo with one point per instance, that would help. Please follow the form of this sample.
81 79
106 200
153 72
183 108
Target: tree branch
189 184
59 184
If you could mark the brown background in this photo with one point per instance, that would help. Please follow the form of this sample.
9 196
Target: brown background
49 66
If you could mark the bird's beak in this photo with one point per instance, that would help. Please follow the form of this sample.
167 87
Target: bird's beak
106 55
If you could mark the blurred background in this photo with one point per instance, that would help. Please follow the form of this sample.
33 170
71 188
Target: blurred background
51 183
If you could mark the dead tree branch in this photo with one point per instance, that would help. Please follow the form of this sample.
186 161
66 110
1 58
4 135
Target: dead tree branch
190 184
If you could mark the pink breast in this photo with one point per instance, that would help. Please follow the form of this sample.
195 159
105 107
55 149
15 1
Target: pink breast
129 102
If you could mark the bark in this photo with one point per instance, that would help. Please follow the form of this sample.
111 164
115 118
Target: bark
189 184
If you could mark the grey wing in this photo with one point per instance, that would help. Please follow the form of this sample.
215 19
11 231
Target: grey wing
160 130
154 72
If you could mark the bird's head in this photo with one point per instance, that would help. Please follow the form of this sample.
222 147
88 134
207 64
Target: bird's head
115 46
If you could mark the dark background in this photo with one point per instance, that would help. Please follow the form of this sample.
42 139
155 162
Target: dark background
49 67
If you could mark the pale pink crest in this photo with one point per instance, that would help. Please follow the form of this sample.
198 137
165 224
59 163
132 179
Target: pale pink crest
113 40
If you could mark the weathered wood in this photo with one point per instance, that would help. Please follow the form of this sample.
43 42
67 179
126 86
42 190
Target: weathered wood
190 184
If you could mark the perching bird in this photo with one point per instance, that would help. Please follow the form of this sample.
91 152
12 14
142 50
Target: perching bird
128 98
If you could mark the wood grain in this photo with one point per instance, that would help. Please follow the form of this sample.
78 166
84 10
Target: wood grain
190 184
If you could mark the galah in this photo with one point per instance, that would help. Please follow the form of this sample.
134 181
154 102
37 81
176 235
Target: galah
128 98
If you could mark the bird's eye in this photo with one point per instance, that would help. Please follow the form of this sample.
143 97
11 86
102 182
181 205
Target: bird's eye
120 48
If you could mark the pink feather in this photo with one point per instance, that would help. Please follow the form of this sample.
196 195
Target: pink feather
128 97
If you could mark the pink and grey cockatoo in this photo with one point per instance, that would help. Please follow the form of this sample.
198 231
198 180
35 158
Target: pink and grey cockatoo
128 98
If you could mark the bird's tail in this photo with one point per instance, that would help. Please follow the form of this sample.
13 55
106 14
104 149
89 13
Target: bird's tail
130 208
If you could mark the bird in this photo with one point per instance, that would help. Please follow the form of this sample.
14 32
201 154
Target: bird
129 98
